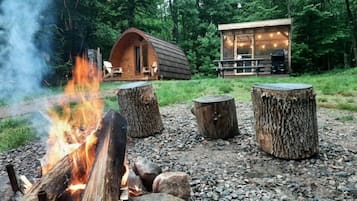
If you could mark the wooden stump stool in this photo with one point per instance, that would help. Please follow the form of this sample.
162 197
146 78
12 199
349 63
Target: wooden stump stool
138 104
285 120
216 116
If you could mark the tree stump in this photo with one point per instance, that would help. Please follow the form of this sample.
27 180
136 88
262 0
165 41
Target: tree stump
285 119
216 116
138 104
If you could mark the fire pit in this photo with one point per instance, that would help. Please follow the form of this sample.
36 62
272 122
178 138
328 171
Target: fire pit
86 157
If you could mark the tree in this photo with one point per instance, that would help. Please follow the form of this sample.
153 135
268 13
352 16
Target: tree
352 22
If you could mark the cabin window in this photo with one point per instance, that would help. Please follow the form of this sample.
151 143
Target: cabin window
228 46
137 60
268 41
145 55
244 46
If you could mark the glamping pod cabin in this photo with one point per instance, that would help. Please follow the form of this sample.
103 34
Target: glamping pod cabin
255 48
139 56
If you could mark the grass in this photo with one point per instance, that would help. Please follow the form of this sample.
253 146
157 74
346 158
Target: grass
346 118
335 89
14 132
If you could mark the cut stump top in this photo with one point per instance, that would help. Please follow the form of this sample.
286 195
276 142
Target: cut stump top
134 85
284 86
213 99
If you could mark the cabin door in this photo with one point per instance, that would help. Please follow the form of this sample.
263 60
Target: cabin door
137 60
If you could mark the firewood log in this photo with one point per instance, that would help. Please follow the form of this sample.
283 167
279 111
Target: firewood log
56 181
108 168
216 116
285 120
138 104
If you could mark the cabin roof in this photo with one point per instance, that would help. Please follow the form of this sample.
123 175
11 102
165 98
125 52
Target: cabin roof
256 24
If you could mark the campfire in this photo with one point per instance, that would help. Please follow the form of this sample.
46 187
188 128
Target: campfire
85 158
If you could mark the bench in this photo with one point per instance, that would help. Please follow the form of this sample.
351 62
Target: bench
220 70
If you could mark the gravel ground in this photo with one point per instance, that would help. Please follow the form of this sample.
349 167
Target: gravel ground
236 169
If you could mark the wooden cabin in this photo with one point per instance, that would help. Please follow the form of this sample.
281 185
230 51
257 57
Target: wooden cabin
255 48
139 56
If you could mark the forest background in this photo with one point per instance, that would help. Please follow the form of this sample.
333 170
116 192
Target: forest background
324 32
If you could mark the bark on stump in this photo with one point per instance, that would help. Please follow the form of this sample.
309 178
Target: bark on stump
138 104
285 119
216 116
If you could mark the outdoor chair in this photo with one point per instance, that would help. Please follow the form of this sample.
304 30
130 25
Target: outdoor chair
110 71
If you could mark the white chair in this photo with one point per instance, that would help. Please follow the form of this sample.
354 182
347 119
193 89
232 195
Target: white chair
146 70
109 70
154 68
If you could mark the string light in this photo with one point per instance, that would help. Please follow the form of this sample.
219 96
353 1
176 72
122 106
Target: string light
259 36
271 35
278 32
263 46
275 45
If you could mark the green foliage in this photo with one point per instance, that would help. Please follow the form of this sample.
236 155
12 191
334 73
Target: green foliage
14 132
322 36
208 50
313 48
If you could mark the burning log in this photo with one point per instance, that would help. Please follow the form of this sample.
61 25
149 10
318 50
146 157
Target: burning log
54 182
216 116
105 179
109 152
12 177
285 120
138 103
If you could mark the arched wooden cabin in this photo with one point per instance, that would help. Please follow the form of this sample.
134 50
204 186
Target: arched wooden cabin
144 57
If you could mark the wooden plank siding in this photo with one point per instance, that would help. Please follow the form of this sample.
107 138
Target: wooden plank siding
173 63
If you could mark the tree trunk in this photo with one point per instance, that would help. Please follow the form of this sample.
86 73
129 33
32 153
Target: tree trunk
285 120
174 15
216 116
111 137
138 104
353 26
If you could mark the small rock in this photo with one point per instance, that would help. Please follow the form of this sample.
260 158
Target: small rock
174 183
156 197
135 182
352 191
147 171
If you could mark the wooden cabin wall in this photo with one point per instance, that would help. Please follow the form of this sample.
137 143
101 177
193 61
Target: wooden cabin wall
124 57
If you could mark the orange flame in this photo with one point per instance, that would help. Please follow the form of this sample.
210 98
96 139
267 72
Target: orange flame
124 180
74 124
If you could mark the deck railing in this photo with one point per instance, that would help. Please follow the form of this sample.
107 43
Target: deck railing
242 66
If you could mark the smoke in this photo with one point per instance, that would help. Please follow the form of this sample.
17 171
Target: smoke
22 64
